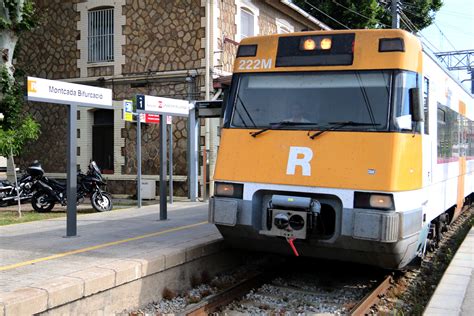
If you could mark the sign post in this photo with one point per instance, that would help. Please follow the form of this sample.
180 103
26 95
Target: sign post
73 95
163 107
171 161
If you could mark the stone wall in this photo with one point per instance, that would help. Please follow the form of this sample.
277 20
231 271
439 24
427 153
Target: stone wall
228 29
162 35
51 146
50 51
175 88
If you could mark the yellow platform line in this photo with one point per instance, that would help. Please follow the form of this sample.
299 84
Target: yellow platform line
113 243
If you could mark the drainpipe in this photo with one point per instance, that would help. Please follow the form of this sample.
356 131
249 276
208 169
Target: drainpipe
207 81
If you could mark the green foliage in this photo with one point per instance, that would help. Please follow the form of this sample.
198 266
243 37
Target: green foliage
17 127
18 20
370 13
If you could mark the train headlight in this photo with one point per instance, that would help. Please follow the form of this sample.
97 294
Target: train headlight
297 222
281 221
326 43
309 44
374 200
234 190
381 201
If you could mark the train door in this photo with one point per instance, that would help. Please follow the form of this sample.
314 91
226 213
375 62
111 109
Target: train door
427 146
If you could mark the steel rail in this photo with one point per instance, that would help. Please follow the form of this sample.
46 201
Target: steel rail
212 303
372 298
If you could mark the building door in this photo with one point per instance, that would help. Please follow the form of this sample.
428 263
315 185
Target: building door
103 140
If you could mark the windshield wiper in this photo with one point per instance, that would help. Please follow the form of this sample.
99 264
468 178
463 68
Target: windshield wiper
337 125
277 125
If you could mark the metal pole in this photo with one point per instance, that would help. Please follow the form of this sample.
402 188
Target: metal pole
71 221
139 162
204 174
163 195
171 162
395 15
472 81
193 137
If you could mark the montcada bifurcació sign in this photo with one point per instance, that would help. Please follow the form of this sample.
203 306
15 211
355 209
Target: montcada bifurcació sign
73 92
54 91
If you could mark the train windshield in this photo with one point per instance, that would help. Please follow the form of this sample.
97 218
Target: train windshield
313 99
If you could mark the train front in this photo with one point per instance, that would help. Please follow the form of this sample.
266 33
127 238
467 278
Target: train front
321 147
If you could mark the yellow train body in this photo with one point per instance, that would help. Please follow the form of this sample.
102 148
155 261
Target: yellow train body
381 163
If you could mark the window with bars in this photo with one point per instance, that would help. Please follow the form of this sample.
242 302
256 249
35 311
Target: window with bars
101 35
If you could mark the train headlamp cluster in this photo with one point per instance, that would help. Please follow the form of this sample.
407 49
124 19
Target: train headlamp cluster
315 43
379 201
289 221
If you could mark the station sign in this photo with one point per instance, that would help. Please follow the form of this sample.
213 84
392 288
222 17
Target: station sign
165 106
129 115
54 91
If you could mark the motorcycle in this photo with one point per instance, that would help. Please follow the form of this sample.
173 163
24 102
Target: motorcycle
51 191
24 188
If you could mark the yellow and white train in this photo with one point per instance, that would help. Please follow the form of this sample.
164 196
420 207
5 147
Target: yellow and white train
352 145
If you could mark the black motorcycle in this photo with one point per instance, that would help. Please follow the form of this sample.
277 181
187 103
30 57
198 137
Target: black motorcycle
51 191
25 187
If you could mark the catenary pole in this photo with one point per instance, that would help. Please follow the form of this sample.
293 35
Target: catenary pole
395 15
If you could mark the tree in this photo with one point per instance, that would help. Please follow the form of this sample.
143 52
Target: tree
16 127
416 14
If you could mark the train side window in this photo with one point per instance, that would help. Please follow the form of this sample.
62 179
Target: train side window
441 116
426 93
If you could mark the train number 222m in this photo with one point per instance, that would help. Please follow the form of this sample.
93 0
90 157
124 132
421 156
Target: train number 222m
249 64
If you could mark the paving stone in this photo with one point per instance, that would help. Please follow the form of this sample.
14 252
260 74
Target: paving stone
151 263
450 302
62 290
175 258
431 311
24 301
125 270
206 246
454 270
95 279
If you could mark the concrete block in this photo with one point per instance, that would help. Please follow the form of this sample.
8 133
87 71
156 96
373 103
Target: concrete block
205 249
2 309
452 269
151 263
175 258
431 311
451 289
451 302
455 279
462 263
62 290
125 270
95 279
24 301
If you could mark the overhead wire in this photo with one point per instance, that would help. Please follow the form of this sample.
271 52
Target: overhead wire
327 15
360 14
415 30
447 39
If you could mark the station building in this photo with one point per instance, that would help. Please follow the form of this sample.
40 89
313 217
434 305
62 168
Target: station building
138 47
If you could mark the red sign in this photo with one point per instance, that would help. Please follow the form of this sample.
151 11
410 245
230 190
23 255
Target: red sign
154 118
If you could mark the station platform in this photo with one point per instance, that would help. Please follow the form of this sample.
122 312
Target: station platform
454 295
42 271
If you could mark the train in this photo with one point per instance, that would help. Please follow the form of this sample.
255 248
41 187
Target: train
352 145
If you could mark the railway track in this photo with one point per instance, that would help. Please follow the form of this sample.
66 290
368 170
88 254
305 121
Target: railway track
268 293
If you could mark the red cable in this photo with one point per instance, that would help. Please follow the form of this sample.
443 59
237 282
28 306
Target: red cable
290 241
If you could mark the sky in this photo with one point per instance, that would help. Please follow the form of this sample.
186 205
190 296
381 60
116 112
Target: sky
453 29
